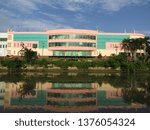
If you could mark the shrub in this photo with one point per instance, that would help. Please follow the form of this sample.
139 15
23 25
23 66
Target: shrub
148 65
83 64
29 55
97 63
14 65
42 62
113 63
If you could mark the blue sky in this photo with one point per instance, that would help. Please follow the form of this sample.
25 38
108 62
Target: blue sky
104 15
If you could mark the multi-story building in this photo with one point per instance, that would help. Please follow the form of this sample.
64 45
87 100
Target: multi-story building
3 44
110 43
37 41
72 42
68 42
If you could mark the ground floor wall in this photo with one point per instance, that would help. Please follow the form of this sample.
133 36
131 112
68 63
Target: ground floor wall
3 52
47 53
40 52
3 48
105 52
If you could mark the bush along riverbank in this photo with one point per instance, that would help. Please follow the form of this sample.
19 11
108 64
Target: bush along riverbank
115 63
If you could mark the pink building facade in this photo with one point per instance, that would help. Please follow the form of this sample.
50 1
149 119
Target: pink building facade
68 42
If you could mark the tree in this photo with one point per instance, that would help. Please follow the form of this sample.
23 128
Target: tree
125 45
28 88
132 45
146 47
136 94
29 55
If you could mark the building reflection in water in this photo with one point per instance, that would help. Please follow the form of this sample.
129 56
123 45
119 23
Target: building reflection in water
2 93
63 97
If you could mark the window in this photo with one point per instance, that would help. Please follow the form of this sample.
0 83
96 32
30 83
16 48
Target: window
9 44
72 36
34 46
72 44
9 37
9 52
50 37
3 39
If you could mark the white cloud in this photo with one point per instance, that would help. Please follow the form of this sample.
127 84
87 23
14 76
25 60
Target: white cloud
22 13
75 5
35 25
23 6
82 5
27 6
116 5
53 17
18 23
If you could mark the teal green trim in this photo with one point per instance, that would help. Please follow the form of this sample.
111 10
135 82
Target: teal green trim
39 100
41 38
102 39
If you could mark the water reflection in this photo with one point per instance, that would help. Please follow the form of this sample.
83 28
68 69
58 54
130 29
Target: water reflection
72 92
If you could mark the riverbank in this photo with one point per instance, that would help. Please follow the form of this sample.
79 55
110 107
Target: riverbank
70 70
119 63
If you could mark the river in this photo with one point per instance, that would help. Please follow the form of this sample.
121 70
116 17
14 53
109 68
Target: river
74 92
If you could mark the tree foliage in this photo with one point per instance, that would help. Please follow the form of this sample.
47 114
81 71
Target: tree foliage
29 55
134 44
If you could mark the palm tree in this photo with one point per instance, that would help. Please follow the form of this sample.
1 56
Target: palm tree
125 45
144 44
146 47
132 45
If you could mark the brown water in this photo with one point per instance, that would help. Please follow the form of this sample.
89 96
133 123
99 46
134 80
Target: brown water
74 92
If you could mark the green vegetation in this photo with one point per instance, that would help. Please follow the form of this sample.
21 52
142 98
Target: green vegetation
29 55
119 62
132 45
12 64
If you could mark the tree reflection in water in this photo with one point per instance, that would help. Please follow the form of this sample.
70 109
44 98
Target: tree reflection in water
28 88
139 92
135 87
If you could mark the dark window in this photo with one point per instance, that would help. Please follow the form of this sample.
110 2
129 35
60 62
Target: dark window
34 46
72 36
50 37
3 39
